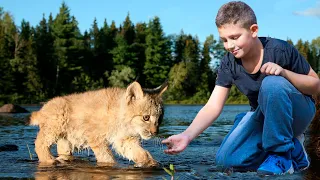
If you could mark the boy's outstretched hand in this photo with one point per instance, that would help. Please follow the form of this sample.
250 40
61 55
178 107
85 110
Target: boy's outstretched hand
176 143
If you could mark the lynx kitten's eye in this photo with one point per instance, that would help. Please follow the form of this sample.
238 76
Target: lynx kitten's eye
146 117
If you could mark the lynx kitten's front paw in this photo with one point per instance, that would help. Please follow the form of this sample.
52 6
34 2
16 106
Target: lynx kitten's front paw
150 163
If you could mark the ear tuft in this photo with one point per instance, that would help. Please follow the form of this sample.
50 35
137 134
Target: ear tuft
158 91
163 88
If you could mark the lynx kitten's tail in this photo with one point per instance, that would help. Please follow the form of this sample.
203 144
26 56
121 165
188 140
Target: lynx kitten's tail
34 119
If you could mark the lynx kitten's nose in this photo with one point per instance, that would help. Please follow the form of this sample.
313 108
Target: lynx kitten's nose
153 130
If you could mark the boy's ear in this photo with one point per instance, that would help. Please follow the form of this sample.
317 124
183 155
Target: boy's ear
254 30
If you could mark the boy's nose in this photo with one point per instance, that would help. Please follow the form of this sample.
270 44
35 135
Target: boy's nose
231 45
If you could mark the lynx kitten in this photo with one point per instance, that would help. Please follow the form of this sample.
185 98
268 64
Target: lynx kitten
99 119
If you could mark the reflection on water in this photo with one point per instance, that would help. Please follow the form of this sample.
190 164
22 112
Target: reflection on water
196 162
84 170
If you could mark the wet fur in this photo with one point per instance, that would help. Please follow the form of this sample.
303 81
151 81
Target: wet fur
99 119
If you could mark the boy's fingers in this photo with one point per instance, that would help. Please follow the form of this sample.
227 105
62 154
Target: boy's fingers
165 141
263 68
170 151
277 72
168 143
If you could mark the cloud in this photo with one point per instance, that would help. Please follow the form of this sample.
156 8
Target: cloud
315 11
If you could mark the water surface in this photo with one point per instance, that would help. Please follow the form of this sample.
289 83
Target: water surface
196 162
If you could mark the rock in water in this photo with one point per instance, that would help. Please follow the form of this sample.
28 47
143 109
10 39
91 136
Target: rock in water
12 108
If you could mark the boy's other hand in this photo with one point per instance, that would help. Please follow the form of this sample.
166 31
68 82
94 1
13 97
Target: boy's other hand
270 68
176 143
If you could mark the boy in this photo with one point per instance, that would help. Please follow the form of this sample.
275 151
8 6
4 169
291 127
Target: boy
278 82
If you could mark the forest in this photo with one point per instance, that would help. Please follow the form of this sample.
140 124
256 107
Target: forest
55 58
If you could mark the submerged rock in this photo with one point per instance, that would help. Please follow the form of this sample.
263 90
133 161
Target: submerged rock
12 108
8 147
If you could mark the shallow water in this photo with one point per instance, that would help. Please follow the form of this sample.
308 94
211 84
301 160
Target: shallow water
196 162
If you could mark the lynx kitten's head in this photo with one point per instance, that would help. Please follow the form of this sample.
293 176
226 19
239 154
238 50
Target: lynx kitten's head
144 109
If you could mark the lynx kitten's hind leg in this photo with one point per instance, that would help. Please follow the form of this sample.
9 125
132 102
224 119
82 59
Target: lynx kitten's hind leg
64 151
42 148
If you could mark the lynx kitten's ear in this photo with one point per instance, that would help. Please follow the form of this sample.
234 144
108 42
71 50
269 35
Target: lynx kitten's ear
134 91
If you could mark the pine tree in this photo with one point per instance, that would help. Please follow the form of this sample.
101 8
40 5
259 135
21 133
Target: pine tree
44 51
301 48
124 57
206 72
289 41
177 77
139 47
108 44
7 33
86 63
97 61
179 46
27 65
315 44
158 54
67 45
191 59
122 74
128 31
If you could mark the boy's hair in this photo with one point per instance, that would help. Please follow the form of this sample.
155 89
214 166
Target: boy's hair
236 12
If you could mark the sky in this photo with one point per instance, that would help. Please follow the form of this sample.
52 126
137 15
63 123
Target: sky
282 19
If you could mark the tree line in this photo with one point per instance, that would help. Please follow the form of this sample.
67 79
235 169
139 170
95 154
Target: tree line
54 58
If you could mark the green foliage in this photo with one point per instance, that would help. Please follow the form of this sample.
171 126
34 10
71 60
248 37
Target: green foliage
85 83
236 97
177 76
315 51
290 41
121 78
68 45
44 53
7 50
158 54
310 51
139 47
54 58
206 72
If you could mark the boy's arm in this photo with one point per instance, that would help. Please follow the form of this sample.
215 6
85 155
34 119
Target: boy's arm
307 84
209 113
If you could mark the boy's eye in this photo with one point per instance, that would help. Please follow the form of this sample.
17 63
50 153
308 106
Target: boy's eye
235 38
223 39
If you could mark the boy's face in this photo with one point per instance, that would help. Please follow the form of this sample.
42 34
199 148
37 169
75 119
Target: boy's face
236 39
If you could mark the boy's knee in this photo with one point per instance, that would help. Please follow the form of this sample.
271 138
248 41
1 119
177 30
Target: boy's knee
274 85
226 160
273 82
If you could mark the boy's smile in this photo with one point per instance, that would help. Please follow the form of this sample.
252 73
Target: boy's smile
236 39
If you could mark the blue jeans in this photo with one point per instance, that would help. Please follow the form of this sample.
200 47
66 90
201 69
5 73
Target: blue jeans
283 113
